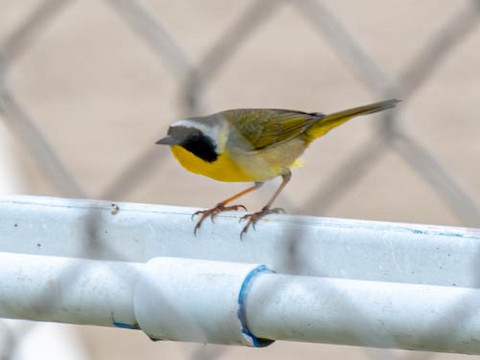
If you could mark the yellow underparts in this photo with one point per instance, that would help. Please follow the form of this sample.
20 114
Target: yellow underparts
255 166
222 169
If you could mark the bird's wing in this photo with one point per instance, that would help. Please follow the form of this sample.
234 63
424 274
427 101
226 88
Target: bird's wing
262 128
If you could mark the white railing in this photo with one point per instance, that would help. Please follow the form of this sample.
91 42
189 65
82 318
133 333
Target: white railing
139 266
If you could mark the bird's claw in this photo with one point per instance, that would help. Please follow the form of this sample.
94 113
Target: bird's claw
220 207
253 218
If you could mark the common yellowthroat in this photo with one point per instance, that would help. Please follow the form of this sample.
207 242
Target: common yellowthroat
251 145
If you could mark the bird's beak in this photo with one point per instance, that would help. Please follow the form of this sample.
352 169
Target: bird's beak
167 140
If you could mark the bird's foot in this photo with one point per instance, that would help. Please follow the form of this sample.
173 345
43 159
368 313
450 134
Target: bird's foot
254 217
220 207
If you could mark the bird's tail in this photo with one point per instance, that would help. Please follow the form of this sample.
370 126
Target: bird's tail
331 121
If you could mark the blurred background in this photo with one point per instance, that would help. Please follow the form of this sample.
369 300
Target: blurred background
87 87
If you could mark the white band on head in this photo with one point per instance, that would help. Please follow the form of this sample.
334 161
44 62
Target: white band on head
211 129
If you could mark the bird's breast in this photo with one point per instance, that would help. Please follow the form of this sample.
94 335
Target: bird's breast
224 168
240 166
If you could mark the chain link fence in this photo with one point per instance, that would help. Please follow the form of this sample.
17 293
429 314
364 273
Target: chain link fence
87 87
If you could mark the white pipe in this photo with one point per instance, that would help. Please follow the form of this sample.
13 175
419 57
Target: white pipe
365 313
76 291
171 299
62 341
302 245
196 300
231 303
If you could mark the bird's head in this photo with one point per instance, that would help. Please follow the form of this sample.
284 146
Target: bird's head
199 138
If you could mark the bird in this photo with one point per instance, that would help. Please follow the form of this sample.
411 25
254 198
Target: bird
252 145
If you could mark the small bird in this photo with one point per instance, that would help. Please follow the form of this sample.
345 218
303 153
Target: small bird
251 145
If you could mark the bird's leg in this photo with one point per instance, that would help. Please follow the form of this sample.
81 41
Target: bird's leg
221 206
254 217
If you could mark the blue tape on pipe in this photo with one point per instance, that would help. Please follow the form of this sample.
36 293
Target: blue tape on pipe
123 325
242 310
